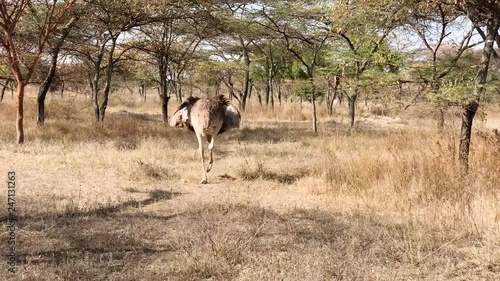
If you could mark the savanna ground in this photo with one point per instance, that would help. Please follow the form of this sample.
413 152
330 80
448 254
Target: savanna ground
121 201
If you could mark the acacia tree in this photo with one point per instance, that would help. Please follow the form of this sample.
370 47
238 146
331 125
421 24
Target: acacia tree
170 42
364 26
485 16
210 74
55 48
271 65
22 48
238 31
305 36
433 22
96 43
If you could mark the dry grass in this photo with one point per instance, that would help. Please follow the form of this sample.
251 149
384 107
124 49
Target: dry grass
118 201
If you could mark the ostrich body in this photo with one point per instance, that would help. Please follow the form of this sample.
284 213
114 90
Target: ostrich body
207 117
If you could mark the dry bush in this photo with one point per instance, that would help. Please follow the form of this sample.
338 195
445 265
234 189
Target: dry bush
420 178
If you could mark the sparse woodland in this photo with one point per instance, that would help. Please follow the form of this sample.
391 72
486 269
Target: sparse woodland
369 147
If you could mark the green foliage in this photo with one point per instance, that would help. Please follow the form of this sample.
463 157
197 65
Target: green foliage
4 69
362 55
298 72
303 89
211 72
457 86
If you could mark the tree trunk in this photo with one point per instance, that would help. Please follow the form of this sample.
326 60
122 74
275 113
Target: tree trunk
259 97
97 111
315 128
104 106
164 107
313 101
271 93
268 90
352 106
178 90
107 89
468 113
250 91
279 93
4 87
142 90
109 76
44 88
333 94
20 112
469 109
95 81
163 89
62 87
441 107
246 82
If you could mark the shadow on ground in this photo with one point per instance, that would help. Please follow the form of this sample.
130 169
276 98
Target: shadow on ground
213 241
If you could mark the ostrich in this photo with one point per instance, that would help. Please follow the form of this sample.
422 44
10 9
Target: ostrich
207 117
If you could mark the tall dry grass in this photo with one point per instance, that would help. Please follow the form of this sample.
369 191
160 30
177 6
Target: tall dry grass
383 201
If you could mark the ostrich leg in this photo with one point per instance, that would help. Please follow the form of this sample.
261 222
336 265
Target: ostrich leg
210 140
200 144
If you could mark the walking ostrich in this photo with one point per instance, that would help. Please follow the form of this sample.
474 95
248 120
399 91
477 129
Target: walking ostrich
207 117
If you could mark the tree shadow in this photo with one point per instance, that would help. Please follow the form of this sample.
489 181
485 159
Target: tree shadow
102 210
91 235
208 239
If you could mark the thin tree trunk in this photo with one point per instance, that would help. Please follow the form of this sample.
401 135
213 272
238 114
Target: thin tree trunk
62 87
268 90
107 89
333 94
164 107
20 112
142 90
95 81
259 97
44 88
352 106
315 121
250 91
469 109
313 100
279 92
178 89
440 108
97 111
246 82
4 87
271 94
164 96
109 77
468 113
